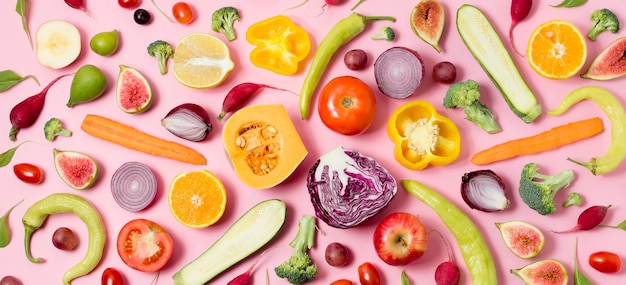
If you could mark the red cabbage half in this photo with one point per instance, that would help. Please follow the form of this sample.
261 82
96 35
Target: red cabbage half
347 187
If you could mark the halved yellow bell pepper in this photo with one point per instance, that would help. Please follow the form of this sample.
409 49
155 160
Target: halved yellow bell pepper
423 137
280 44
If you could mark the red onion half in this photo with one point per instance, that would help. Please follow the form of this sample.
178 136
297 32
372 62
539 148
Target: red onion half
398 72
133 186
484 190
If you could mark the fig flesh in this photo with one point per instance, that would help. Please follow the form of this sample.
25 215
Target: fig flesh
609 63
521 238
76 169
547 271
133 91
427 21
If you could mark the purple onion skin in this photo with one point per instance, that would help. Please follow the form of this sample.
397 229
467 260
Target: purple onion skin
198 110
465 191
367 193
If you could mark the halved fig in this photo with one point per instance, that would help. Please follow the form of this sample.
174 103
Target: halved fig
76 169
610 63
133 93
547 271
523 239
427 21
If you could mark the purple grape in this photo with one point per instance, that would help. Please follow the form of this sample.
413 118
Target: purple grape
337 254
10 280
355 59
64 239
444 72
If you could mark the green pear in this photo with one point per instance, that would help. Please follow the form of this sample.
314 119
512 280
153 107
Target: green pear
105 43
88 84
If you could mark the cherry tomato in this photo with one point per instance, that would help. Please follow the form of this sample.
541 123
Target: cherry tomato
182 13
368 274
28 173
110 276
144 245
606 262
341 282
128 3
347 105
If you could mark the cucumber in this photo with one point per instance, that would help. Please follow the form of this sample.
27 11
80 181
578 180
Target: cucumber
487 48
250 232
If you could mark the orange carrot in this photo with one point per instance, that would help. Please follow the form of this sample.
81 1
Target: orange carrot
548 140
127 136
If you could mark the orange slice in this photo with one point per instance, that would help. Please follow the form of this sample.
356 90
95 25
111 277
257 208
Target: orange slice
557 49
197 199
201 61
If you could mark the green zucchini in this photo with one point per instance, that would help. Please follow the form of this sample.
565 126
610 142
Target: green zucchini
487 48
250 232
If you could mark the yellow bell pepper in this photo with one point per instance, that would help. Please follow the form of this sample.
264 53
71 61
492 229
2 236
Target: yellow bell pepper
280 44
423 137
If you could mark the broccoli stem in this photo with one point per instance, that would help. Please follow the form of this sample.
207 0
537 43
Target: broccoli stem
305 238
480 115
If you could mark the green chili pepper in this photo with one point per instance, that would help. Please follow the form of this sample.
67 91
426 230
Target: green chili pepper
36 215
343 31
473 247
614 110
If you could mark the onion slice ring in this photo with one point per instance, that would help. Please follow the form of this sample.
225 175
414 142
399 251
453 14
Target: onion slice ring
133 186
398 72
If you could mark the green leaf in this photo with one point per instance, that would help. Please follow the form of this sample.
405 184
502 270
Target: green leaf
8 79
22 9
579 277
405 279
570 3
5 230
5 157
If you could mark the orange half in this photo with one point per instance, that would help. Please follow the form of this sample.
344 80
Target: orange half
557 49
197 199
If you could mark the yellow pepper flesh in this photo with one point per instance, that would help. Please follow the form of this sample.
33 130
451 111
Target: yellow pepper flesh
280 44
423 137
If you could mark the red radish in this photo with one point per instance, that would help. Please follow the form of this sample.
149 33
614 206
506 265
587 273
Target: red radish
240 94
78 4
589 219
447 273
519 11
25 113
244 278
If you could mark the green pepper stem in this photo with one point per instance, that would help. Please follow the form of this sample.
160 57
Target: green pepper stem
591 165
27 234
367 19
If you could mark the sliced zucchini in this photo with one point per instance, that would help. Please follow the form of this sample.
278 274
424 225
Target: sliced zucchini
487 48
250 232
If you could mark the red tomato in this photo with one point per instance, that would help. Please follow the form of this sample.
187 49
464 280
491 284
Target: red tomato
347 105
606 262
368 274
341 282
110 276
182 13
128 3
143 245
28 173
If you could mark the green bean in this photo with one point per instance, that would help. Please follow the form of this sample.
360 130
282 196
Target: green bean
36 215
614 110
473 247
5 230
343 31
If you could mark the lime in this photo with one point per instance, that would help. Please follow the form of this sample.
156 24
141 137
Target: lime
105 43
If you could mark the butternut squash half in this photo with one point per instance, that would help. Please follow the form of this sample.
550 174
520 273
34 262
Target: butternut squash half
262 145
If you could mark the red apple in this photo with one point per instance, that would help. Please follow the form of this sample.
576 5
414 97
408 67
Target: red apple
400 238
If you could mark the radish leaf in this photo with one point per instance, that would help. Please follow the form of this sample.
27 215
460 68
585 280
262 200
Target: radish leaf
21 9
9 78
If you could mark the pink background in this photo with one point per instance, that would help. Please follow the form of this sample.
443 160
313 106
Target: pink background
15 54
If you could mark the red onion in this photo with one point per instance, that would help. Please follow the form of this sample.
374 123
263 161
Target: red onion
188 121
484 190
398 72
133 186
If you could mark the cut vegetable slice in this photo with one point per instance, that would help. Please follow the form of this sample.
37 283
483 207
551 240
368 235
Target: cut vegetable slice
133 186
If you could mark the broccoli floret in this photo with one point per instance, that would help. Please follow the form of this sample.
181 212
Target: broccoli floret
53 128
387 34
573 199
538 190
300 267
602 20
223 20
163 51
466 95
